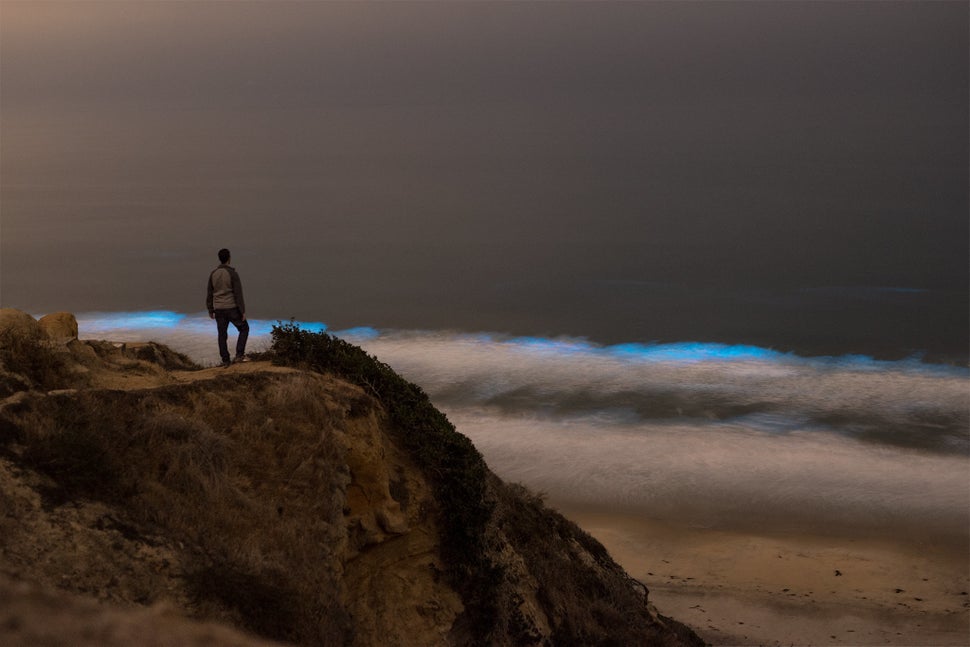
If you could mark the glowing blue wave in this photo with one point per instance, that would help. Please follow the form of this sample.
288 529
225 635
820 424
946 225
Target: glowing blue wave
162 320
695 352
151 319
194 334
698 352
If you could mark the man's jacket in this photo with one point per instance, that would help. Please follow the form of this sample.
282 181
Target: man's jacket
225 290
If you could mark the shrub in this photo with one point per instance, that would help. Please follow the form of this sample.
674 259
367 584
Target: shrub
255 516
30 357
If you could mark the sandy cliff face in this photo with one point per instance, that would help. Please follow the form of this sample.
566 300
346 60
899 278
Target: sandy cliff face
271 500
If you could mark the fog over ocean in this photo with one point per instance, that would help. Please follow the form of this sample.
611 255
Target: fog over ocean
711 435
791 175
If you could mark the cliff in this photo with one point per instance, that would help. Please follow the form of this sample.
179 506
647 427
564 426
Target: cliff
145 499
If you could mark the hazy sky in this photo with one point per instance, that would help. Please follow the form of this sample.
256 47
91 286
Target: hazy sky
381 149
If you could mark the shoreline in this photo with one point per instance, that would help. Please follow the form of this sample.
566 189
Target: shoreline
736 588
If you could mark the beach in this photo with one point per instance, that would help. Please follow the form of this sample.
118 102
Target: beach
738 588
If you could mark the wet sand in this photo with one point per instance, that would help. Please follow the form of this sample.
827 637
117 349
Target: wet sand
746 589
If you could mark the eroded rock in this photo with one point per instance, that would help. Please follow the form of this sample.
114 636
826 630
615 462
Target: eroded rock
59 326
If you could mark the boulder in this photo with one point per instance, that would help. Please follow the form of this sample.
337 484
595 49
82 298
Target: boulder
17 324
60 326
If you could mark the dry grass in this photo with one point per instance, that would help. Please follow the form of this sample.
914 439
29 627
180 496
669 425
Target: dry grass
244 473
29 361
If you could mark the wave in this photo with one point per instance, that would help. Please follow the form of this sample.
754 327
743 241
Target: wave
713 434
901 403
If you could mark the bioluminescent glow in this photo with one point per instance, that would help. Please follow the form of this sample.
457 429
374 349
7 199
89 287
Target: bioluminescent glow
192 334
549 346
693 352
151 320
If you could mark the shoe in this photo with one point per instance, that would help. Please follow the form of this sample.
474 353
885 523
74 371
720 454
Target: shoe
241 358
225 363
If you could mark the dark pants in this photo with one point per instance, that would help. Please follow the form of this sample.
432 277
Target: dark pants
234 317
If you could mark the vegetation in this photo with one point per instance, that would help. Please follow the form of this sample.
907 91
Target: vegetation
453 464
27 361
224 471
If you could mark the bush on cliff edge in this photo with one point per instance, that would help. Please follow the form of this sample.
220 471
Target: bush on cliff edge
453 464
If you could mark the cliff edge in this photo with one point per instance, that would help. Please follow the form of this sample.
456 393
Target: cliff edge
318 499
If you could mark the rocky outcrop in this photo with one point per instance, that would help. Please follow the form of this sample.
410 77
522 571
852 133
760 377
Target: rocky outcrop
16 324
20 346
285 503
59 326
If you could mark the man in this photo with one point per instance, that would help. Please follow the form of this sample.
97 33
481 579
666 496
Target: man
224 299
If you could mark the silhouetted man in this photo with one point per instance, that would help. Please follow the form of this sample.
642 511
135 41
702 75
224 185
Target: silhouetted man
224 299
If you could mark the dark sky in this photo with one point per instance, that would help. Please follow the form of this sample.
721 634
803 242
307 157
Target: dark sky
351 153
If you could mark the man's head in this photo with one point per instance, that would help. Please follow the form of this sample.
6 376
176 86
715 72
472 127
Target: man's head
223 255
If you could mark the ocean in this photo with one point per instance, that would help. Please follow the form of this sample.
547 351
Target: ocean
707 435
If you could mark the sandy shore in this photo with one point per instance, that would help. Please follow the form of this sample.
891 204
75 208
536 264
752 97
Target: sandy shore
743 589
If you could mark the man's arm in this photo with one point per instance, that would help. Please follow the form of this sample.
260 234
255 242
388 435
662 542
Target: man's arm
208 298
237 294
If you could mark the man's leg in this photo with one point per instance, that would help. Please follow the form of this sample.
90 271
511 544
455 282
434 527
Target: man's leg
222 325
243 327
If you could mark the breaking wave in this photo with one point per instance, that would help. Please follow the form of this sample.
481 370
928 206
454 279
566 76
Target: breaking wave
710 434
